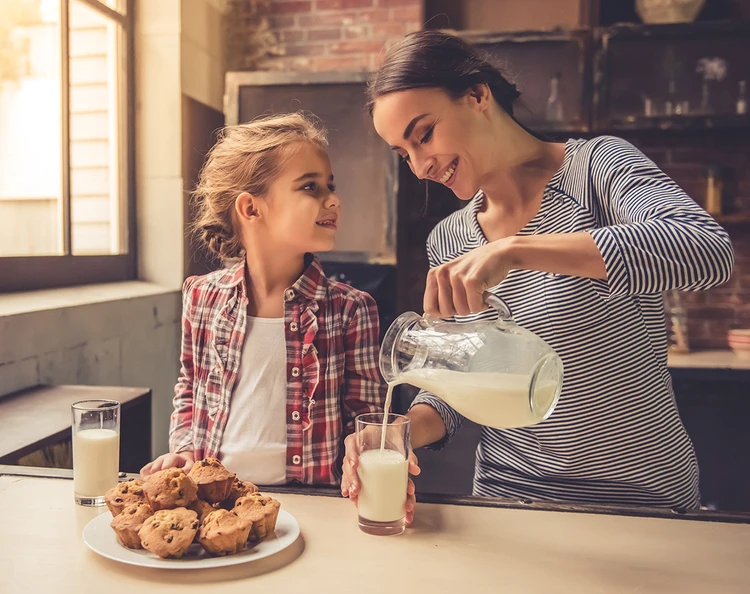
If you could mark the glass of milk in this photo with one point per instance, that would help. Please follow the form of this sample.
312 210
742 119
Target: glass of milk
96 449
383 442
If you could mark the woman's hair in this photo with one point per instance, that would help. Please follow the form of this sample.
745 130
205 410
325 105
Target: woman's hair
432 59
246 158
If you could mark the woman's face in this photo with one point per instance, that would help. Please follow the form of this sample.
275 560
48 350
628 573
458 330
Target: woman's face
443 139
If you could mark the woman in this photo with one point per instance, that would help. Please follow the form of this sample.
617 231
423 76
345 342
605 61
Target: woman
580 239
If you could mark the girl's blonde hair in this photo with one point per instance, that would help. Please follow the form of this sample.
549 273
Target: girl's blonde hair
246 158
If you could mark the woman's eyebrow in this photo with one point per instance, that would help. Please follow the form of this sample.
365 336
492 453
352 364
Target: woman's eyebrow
410 128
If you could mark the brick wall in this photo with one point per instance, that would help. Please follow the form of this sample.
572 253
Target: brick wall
684 157
315 35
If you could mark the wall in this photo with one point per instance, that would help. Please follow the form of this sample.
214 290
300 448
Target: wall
128 334
315 35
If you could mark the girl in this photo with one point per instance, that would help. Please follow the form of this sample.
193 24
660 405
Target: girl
580 239
277 360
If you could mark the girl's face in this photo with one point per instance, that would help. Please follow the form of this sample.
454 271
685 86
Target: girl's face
443 139
300 212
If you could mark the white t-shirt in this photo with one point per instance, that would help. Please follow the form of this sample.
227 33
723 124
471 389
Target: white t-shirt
254 440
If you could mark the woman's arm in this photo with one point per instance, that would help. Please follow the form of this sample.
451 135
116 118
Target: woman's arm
655 239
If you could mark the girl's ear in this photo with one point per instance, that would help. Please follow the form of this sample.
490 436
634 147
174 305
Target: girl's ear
245 206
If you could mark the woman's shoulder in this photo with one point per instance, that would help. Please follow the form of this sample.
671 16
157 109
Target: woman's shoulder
607 151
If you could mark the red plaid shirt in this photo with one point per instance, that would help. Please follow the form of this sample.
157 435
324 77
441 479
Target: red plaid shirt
331 332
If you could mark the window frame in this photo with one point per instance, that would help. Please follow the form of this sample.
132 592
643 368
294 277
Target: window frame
27 273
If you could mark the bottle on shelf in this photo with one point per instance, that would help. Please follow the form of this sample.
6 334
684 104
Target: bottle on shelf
554 104
741 100
714 190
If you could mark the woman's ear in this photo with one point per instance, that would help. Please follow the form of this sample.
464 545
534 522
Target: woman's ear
480 96
245 206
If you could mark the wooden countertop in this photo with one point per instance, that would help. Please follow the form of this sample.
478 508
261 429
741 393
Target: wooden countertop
708 360
451 548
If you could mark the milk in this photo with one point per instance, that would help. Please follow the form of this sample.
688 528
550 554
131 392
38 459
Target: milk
383 476
96 456
499 400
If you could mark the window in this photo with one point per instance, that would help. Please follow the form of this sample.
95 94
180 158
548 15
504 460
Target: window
66 113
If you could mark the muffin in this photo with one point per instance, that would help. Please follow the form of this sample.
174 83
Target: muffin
261 511
202 508
129 521
239 489
123 494
170 532
170 488
213 480
224 533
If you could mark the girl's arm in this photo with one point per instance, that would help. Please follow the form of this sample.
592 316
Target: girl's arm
364 389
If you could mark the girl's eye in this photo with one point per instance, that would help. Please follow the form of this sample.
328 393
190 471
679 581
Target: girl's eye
311 187
332 188
428 135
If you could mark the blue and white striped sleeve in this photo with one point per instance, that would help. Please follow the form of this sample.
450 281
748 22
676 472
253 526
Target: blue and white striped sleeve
451 419
657 238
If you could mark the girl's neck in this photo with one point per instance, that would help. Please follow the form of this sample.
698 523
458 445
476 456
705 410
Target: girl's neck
268 276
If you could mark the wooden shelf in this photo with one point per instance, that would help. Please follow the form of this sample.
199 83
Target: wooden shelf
685 122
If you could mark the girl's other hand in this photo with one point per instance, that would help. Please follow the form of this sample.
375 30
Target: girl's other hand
182 460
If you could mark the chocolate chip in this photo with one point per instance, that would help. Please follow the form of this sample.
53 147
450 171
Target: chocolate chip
170 538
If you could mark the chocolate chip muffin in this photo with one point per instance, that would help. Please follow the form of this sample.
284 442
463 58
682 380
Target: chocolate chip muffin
129 521
170 488
224 533
213 480
169 533
261 511
202 508
239 489
123 494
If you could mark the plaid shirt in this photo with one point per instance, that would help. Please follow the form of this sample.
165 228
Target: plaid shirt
331 332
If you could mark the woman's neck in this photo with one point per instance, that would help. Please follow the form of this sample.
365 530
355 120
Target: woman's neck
268 275
520 167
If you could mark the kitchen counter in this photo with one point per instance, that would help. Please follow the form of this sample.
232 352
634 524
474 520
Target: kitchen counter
708 360
454 546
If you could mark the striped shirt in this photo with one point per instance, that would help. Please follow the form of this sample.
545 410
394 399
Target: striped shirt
331 338
615 436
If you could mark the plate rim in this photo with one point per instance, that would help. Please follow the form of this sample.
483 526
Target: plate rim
158 563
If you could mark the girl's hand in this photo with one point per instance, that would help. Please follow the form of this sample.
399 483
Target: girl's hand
350 485
182 460
457 286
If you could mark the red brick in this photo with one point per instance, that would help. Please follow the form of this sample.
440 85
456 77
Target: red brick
356 47
381 30
392 3
377 15
305 49
292 36
290 6
342 4
283 21
358 32
324 34
341 63
407 13
332 19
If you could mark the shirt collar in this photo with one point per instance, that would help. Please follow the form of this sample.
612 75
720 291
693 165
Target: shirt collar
312 284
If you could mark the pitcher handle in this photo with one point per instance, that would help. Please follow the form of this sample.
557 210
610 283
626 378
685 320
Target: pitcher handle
495 302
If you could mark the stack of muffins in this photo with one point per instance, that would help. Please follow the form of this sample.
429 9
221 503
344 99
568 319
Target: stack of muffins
171 510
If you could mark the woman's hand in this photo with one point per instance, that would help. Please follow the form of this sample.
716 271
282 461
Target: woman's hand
456 287
182 460
350 485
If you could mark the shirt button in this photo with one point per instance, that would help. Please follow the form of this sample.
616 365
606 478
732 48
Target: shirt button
295 415
288 294
293 327
296 459
295 371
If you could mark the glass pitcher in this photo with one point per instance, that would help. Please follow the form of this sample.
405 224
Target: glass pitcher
493 372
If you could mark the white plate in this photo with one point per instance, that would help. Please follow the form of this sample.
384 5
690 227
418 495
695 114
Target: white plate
100 538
